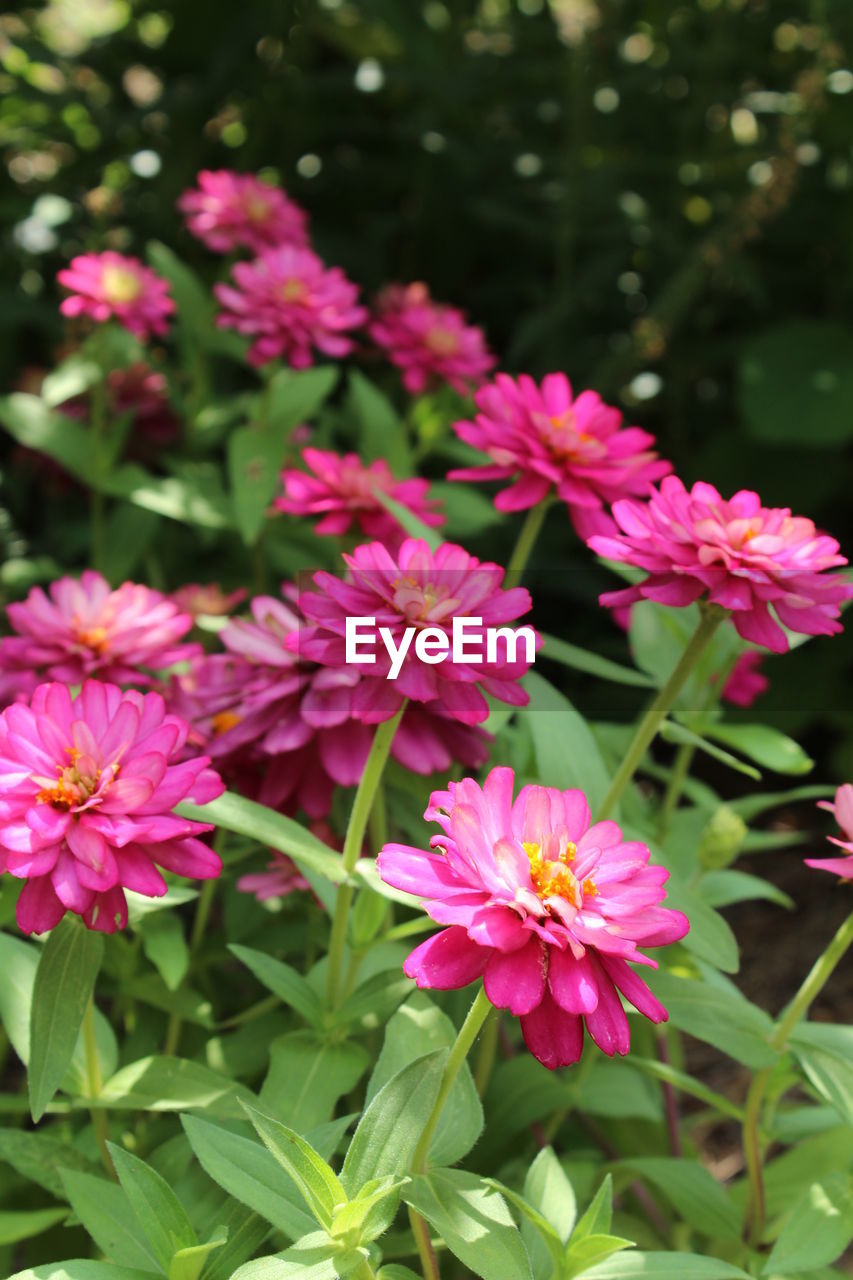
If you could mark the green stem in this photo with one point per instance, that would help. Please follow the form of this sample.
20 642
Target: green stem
426 1253
486 1054
710 619
533 522
468 1032
680 769
98 421
202 915
94 1084
353 843
812 985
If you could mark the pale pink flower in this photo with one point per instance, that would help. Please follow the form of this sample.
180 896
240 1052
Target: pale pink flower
549 910
110 285
343 491
231 210
281 877
746 682
290 303
553 443
81 628
736 554
207 599
429 341
842 809
425 589
88 786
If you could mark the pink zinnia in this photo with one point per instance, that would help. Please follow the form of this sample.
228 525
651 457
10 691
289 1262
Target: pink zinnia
85 628
746 682
231 210
107 285
290 302
88 786
343 490
428 341
842 809
736 554
549 910
551 442
281 877
425 589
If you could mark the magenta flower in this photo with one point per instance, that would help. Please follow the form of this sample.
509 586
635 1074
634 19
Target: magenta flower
425 590
553 443
745 682
87 787
281 877
736 554
85 628
343 490
428 341
109 285
842 808
231 210
290 302
548 910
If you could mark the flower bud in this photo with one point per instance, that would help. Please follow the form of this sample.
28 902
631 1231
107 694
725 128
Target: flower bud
721 840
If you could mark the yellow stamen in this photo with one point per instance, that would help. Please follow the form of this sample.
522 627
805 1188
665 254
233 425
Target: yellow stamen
225 720
120 285
551 876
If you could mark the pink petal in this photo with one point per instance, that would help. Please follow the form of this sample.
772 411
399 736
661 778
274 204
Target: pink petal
516 980
447 960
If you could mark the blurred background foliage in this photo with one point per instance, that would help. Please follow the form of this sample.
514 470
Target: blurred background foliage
656 197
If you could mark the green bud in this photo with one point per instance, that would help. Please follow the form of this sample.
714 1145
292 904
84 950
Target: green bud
721 840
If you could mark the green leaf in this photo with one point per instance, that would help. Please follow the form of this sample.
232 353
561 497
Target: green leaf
320 1187
371 1212
375 999
548 1189
688 1084
796 372
819 1229
81 1269
283 981
246 818
710 937
761 743
23 1224
161 1214
592 1249
825 1053
474 1222
663 1266
315 1257
38 1158
249 1172
414 527
108 1216
566 752
188 1264
388 1132
129 533
598 1215
246 1233
570 655
195 306
750 807
165 946
672 731
417 1028
187 498
308 1075
381 431
545 1249
695 1193
722 888
469 512
63 986
171 1084
702 1005
395 1272
29 421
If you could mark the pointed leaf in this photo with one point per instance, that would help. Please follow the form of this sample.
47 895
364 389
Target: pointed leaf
64 980
161 1214
283 981
319 1186
474 1222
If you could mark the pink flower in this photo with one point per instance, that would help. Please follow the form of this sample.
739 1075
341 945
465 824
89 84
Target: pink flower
282 727
142 393
430 342
842 808
290 302
425 589
282 877
207 599
231 210
745 682
107 285
553 443
343 490
84 628
549 910
87 787
735 553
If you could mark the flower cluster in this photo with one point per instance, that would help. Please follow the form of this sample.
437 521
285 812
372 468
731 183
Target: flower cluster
229 211
428 341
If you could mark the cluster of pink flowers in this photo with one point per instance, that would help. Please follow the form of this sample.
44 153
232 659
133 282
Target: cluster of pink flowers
344 491
229 211
429 341
87 789
549 910
553 443
110 285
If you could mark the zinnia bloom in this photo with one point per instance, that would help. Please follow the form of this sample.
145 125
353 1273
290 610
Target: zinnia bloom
343 490
231 210
428 341
842 808
548 910
746 682
85 628
736 554
281 877
551 442
107 285
87 787
290 302
425 589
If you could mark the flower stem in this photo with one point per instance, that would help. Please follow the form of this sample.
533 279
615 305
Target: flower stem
98 421
530 530
710 619
426 1253
94 1084
353 842
486 1054
468 1032
677 778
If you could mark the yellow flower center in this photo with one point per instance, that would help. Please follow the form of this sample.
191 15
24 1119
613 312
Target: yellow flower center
293 291
225 720
94 638
442 342
121 285
552 877
74 784
257 209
